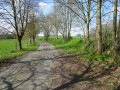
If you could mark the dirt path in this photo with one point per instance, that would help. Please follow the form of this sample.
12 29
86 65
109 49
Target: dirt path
31 72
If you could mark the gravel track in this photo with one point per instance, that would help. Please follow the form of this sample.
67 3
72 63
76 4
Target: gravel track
31 72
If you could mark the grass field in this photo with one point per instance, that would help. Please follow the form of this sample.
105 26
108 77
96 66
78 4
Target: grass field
8 48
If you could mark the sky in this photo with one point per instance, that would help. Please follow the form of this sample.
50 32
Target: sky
47 7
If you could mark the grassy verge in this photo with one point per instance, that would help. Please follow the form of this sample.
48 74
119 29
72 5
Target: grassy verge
8 49
76 45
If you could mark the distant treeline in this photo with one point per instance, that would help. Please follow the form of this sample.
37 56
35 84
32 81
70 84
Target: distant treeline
7 36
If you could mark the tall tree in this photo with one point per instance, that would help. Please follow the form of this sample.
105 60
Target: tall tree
16 14
20 14
115 27
46 26
88 21
69 19
56 20
84 8
98 28
32 29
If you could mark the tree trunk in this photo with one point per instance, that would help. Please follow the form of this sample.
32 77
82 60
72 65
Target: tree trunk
118 32
84 39
88 21
65 26
63 38
33 39
30 41
46 36
69 33
98 29
56 35
20 42
68 22
115 28
88 40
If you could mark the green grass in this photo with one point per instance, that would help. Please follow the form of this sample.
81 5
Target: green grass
76 45
73 46
8 48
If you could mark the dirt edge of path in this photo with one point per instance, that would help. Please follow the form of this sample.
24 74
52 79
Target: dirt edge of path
72 73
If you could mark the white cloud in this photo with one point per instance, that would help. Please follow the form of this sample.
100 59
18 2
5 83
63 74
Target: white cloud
44 5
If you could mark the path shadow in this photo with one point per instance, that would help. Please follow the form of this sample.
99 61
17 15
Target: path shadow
32 73
84 76
13 80
44 50
40 59
9 84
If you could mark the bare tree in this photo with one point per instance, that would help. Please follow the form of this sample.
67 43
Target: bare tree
16 13
55 20
69 18
32 29
115 27
99 28
20 17
46 26
80 10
